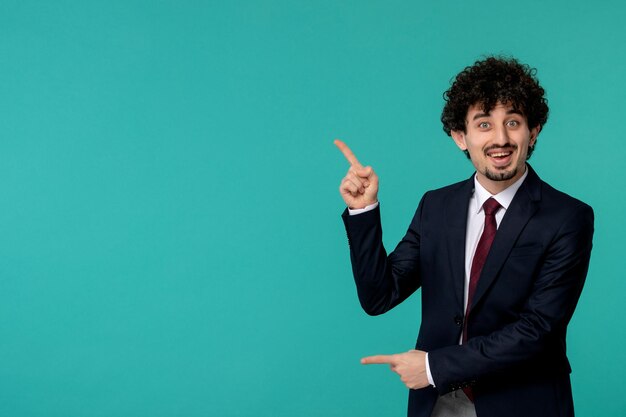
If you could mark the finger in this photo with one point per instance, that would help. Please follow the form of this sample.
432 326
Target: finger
363 172
347 153
350 187
379 359
357 181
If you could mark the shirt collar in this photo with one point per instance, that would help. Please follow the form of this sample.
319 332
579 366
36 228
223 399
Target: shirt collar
503 197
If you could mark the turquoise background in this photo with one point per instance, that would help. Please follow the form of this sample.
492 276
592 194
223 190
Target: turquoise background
170 238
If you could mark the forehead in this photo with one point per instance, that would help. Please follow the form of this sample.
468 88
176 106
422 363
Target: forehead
478 110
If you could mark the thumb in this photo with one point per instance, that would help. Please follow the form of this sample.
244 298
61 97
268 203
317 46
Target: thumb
364 172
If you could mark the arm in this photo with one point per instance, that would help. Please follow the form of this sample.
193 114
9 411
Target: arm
540 328
382 281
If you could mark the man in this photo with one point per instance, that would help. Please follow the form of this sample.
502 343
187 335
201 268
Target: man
501 259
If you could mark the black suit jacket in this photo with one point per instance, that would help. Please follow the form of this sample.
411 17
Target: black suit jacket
515 357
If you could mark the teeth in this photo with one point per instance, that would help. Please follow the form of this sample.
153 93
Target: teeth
499 154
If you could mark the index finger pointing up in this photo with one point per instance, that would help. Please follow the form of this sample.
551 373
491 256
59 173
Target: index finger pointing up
347 153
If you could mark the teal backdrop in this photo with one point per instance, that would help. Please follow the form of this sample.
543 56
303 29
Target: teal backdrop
170 233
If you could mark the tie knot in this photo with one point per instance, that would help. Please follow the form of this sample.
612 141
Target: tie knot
491 206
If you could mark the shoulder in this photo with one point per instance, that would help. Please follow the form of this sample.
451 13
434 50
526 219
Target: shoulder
443 205
551 194
443 194
567 215
557 209
554 200
547 196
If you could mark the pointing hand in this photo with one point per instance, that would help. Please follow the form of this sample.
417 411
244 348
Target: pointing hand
411 366
359 188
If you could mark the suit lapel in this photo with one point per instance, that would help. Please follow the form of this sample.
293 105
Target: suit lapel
456 226
522 208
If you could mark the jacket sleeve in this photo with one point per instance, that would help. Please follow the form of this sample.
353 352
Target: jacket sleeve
382 281
543 319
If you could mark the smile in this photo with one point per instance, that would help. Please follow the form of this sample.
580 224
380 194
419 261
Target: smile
499 154
500 158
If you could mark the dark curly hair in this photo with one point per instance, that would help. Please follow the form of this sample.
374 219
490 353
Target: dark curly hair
490 81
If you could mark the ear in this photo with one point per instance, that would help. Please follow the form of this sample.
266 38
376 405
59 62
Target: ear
459 139
534 132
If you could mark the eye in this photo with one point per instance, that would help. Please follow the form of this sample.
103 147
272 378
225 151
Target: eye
513 123
483 125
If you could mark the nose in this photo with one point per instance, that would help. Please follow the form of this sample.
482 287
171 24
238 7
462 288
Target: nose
502 136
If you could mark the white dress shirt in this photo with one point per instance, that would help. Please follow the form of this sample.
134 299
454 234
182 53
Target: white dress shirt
475 226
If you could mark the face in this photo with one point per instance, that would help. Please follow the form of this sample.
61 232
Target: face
497 143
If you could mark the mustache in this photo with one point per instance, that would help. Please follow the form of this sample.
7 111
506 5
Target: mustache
510 147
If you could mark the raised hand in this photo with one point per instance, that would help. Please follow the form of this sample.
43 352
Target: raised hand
359 188
411 366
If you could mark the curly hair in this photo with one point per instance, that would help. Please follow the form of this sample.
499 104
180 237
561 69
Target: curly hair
491 81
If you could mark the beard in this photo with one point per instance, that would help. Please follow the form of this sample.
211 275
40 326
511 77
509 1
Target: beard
500 176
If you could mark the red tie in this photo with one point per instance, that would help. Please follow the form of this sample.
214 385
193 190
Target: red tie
490 208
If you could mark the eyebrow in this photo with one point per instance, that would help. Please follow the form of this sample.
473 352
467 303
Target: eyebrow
512 111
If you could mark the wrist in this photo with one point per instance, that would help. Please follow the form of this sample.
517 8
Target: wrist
369 207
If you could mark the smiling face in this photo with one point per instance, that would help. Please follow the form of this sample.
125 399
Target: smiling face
497 142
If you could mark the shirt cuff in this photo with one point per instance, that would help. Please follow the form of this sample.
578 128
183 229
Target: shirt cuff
428 374
354 212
